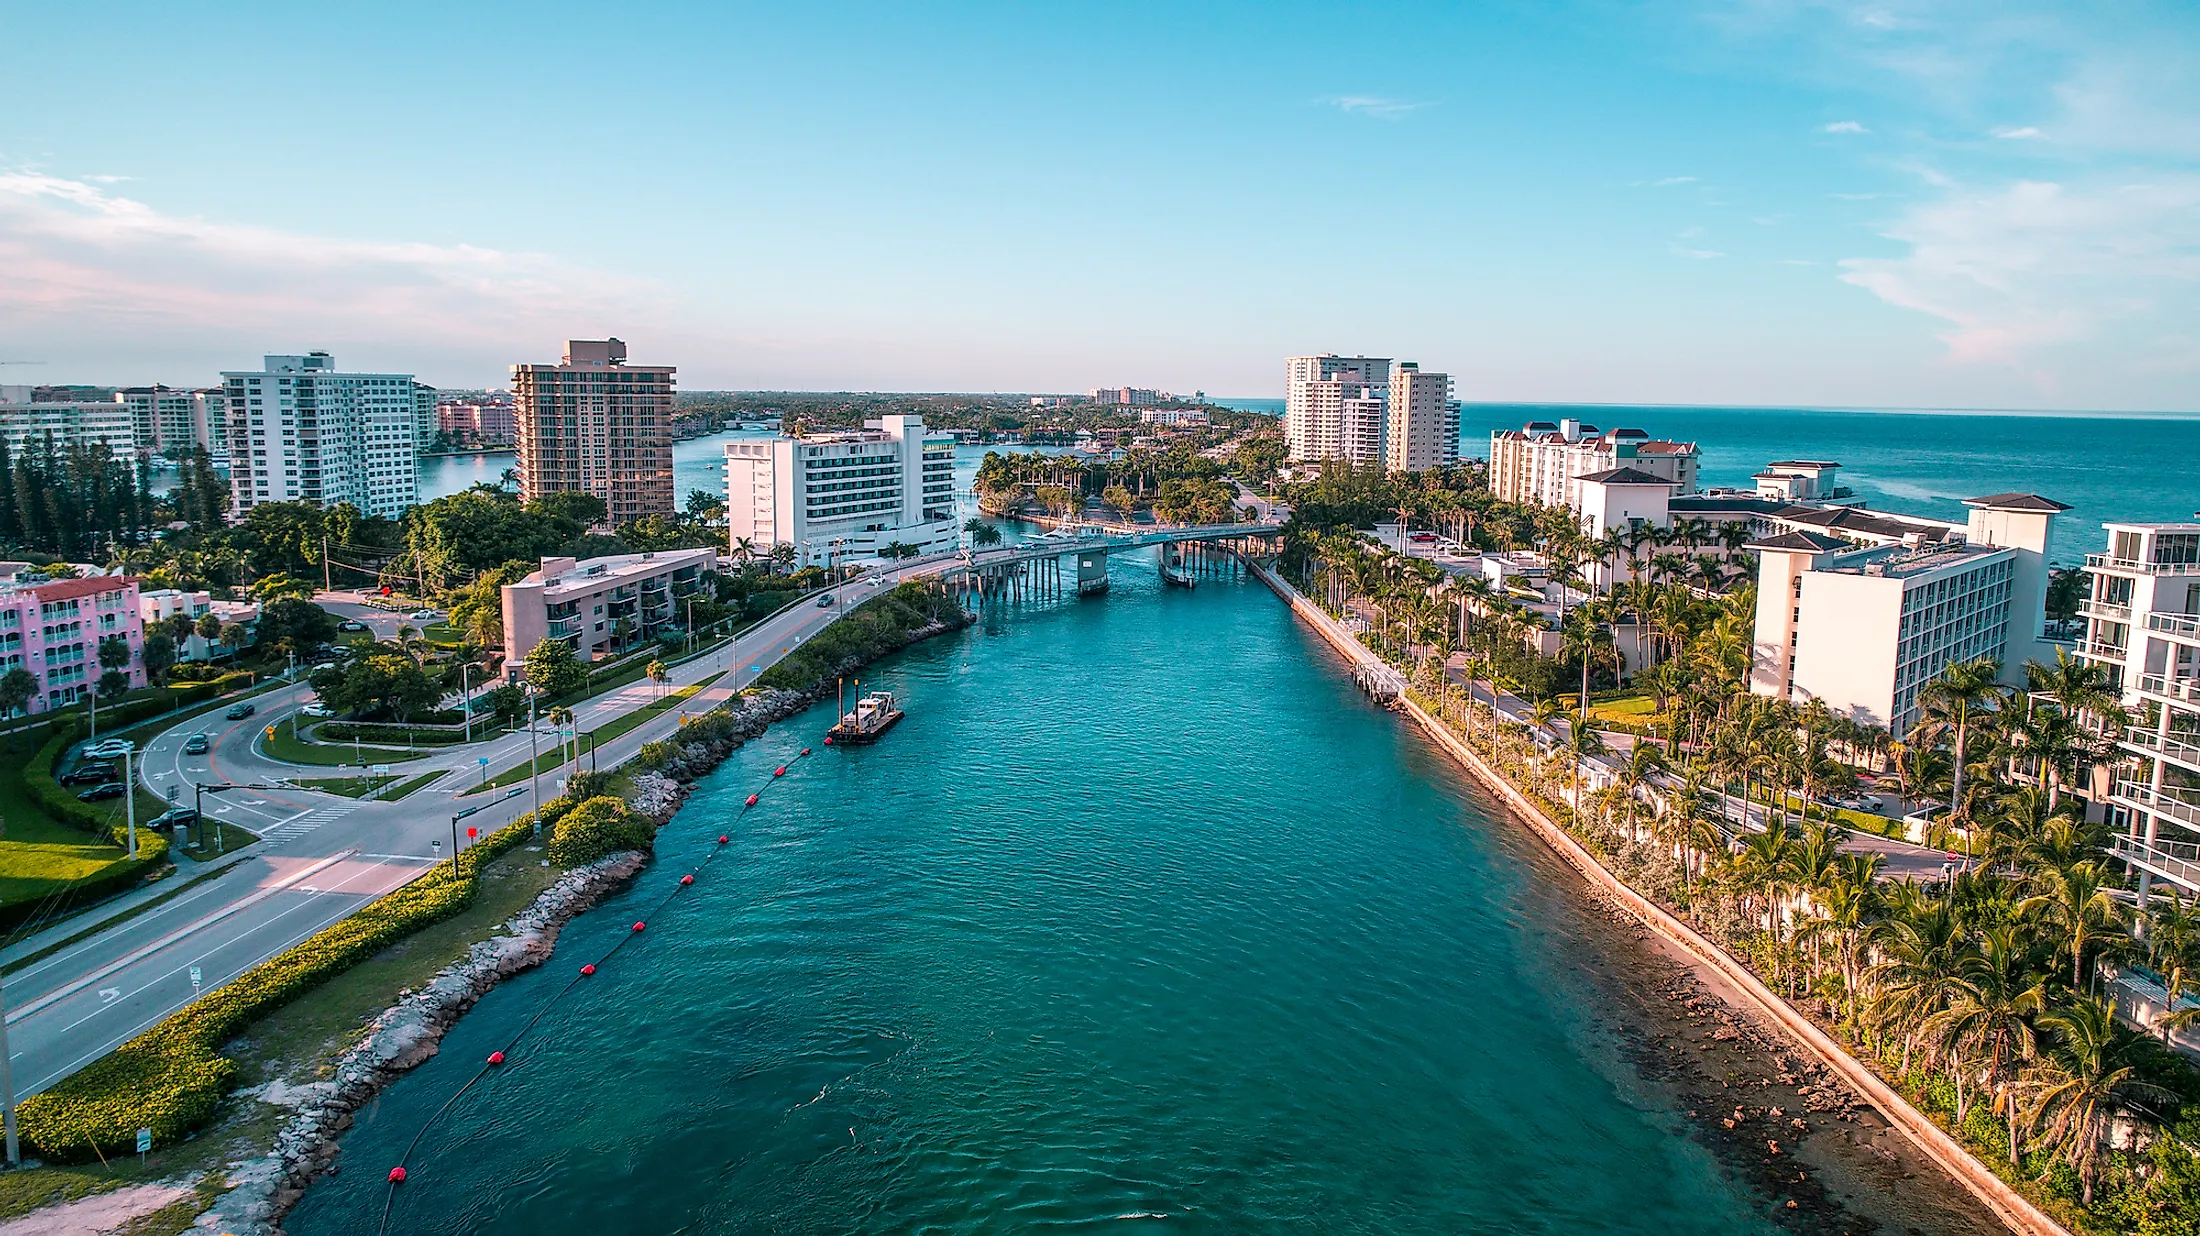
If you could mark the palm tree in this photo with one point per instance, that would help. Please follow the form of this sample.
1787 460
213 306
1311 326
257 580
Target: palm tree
2088 1076
658 674
2078 902
744 550
1579 743
2173 949
1996 992
1953 704
560 718
17 686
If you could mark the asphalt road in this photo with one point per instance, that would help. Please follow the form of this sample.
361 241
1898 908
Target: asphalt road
320 856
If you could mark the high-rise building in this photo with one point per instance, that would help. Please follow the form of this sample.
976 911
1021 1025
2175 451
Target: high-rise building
594 424
1544 462
1424 420
424 399
2143 623
301 431
26 422
844 493
174 422
1866 628
1336 407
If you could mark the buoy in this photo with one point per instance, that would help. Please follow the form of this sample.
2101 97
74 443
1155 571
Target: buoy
752 800
588 969
721 839
496 1057
397 1175
638 925
780 771
805 750
687 879
828 740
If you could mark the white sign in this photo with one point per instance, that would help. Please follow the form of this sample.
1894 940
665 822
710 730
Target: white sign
194 976
381 770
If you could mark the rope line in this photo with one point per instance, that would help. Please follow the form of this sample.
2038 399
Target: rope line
497 1058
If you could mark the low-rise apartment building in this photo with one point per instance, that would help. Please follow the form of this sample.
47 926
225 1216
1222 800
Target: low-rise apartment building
1864 628
1543 462
161 606
53 628
840 494
2143 625
1173 418
602 606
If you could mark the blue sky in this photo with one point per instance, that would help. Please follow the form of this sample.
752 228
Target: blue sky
1753 201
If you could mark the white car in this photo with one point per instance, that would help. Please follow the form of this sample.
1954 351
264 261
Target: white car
422 615
113 748
318 709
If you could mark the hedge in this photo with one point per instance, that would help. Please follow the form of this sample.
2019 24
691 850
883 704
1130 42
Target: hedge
386 733
872 629
172 1077
600 826
57 802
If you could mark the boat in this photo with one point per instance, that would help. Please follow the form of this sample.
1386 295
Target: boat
872 716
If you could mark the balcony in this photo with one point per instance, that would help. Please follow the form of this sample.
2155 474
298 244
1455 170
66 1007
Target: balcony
2176 861
2101 649
2104 609
565 628
2134 795
2186 625
2173 749
2185 689
2130 566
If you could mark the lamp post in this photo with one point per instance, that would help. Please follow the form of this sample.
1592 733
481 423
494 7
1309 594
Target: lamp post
466 696
534 774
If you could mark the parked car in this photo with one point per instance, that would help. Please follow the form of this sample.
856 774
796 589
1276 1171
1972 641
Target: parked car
241 711
105 789
88 774
174 817
112 749
422 615
826 601
351 625
318 709
197 744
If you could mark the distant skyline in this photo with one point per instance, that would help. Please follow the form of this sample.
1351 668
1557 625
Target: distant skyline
1739 202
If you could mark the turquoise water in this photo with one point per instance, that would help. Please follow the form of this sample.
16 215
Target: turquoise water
2104 466
1143 916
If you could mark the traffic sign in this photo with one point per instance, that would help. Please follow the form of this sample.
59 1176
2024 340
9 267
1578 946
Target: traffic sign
472 832
145 1140
194 982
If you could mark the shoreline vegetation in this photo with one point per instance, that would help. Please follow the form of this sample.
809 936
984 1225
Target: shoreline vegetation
1967 1001
177 1077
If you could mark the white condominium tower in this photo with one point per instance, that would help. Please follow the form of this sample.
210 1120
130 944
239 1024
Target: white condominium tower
595 424
1424 420
2143 623
26 424
173 422
300 431
844 493
1336 407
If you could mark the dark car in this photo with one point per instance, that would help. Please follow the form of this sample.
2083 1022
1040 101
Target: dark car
176 817
351 624
197 744
826 601
89 774
241 711
109 789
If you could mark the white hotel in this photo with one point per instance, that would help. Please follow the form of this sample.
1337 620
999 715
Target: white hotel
25 424
1337 407
299 430
844 493
2143 624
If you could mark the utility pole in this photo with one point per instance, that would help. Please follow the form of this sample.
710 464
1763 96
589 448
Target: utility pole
534 778
7 1089
326 585
466 695
129 812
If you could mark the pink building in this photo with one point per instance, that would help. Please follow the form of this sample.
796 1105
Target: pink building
53 628
491 421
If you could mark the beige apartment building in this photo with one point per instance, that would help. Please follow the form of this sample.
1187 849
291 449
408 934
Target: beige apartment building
602 606
597 425
1424 420
1544 461
1336 407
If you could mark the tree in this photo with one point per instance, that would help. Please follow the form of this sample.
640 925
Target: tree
2078 901
1955 703
232 636
659 674
982 533
158 656
553 669
17 686
570 506
296 623
208 626
113 685
2088 1077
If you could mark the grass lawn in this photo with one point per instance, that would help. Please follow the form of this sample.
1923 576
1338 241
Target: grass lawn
349 787
282 746
38 854
1626 708
557 758
410 786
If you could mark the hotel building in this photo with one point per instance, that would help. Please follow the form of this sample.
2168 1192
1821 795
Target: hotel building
1337 407
301 431
844 493
1173 418
25 423
594 424
2143 624
1423 431
1543 462
1863 628
53 629
601 606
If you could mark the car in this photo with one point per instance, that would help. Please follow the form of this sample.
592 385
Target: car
351 624
89 774
318 710
174 817
1422 538
241 711
105 789
197 744
422 615
112 749
826 601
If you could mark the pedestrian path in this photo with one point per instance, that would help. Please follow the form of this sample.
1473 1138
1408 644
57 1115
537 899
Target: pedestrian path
299 825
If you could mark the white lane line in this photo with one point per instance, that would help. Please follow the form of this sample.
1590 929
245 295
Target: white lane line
69 989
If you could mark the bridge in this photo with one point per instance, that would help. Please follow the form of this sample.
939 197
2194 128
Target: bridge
1034 567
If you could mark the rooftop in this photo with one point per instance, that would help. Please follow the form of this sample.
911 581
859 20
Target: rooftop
1625 476
1861 522
593 573
1807 541
2017 502
1801 463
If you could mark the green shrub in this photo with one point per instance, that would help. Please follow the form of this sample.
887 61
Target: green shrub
599 826
171 1077
874 628
657 754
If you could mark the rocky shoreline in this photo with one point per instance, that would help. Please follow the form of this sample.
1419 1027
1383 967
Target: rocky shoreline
409 1033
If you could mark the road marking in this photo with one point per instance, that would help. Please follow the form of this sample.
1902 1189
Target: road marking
69 989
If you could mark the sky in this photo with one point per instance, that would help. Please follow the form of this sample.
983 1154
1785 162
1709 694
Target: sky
1905 203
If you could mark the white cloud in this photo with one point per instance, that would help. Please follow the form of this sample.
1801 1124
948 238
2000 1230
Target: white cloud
1371 105
2025 133
2018 272
1698 254
90 269
1844 126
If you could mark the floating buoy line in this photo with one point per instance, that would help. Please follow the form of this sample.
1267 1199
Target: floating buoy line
496 1059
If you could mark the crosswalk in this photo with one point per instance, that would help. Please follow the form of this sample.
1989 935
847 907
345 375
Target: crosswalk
299 826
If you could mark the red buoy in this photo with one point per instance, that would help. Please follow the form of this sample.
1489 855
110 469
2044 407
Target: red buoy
721 839
805 750
780 771
397 1175
752 800
496 1057
828 740
588 969
638 925
687 879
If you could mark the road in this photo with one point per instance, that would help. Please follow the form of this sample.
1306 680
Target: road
320 856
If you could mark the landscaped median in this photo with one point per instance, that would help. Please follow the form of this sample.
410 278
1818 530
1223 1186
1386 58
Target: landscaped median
171 1077
551 761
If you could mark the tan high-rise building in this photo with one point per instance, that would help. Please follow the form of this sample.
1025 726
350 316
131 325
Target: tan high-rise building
1424 420
1334 407
595 424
